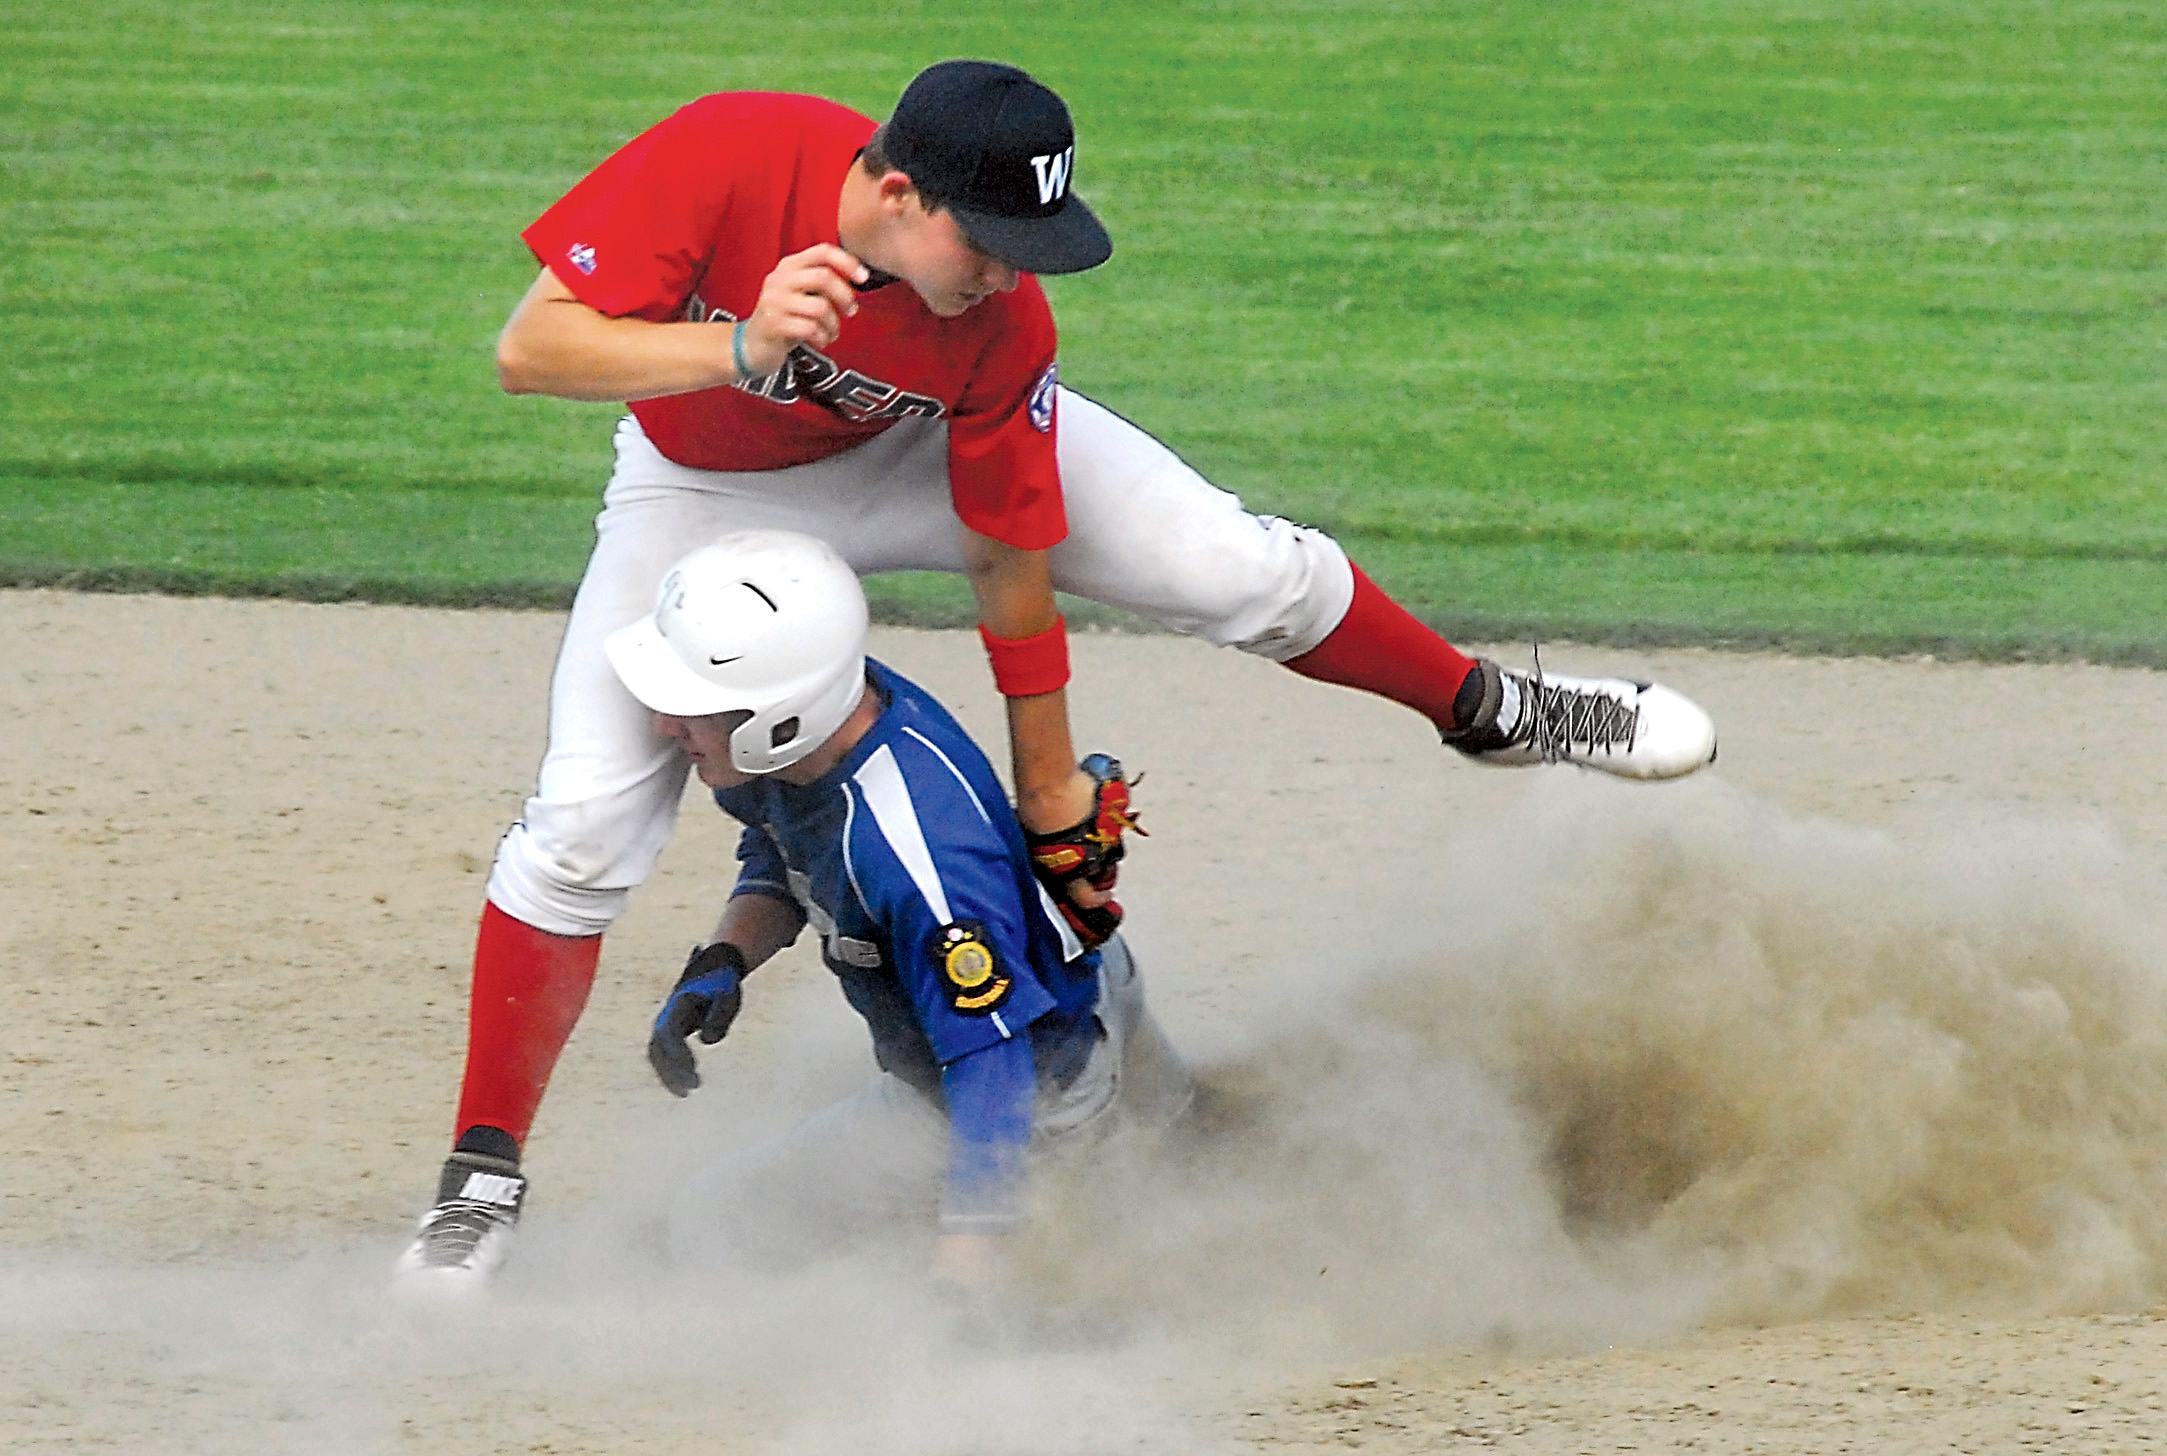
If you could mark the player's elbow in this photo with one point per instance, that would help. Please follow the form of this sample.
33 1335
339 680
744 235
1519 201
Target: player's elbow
518 372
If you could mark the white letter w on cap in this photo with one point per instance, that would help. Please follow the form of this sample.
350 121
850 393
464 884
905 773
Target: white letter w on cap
1053 174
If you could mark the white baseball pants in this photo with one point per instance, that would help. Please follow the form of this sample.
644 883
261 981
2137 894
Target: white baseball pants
1146 534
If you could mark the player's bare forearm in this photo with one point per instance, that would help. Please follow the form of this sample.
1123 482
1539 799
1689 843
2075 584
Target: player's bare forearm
555 344
758 925
1051 793
1014 588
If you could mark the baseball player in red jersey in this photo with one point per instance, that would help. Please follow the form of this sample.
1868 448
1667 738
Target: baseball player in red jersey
832 327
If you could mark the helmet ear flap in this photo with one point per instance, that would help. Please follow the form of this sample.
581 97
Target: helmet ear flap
762 744
779 734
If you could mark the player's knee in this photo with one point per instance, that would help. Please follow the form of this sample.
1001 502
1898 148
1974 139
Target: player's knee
1291 592
537 881
1233 579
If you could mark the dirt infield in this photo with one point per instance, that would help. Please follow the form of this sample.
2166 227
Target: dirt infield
1816 1104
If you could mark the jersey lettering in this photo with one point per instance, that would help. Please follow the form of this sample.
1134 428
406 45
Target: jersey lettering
809 374
846 949
697 311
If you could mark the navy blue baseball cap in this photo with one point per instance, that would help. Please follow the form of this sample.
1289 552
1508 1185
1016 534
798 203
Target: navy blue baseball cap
998 150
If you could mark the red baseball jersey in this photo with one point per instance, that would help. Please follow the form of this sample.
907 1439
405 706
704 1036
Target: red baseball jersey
688 219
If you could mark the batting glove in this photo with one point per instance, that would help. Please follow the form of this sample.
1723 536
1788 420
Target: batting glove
705 1000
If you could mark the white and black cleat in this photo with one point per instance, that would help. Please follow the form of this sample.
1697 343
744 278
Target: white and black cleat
463 1239
1636 730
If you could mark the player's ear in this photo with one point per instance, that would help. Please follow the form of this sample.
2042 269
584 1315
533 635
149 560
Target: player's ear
898 193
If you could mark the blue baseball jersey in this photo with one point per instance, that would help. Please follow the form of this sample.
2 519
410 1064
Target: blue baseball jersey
908 861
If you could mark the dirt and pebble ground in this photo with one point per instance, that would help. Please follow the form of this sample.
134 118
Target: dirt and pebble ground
1814 1105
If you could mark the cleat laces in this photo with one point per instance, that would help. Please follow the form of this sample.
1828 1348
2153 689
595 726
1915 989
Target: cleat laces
1554 721
454 1229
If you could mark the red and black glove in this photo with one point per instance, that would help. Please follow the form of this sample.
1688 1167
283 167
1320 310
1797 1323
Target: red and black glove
1089 850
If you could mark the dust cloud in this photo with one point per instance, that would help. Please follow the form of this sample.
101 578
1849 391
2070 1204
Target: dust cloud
1655 1060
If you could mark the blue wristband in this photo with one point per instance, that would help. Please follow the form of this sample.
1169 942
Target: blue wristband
737 351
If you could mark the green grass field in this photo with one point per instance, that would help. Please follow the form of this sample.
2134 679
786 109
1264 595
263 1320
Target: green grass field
1838 325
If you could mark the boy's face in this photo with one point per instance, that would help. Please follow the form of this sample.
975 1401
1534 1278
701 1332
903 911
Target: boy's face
932 254
706 741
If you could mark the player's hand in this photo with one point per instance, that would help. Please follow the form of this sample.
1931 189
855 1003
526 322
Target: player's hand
968 1264
706 1000
1080 863
974 1284
804 301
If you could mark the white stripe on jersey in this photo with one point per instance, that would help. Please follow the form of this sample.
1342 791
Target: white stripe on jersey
1071 947
888 797
850 863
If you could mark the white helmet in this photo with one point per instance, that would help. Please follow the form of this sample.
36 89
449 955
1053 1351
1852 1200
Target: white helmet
767 621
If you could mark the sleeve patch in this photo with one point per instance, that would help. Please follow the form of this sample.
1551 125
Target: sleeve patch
970 968
1041 401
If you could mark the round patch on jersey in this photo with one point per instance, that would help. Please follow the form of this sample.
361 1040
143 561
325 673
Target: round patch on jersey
970 967
1041 403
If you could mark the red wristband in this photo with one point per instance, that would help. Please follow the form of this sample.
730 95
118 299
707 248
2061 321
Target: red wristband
1033 665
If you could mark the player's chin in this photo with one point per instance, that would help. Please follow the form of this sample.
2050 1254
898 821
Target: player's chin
953 305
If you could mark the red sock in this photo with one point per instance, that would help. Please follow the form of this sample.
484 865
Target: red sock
529 988
1379 648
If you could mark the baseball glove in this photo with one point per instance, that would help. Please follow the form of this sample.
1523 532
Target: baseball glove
1089 850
